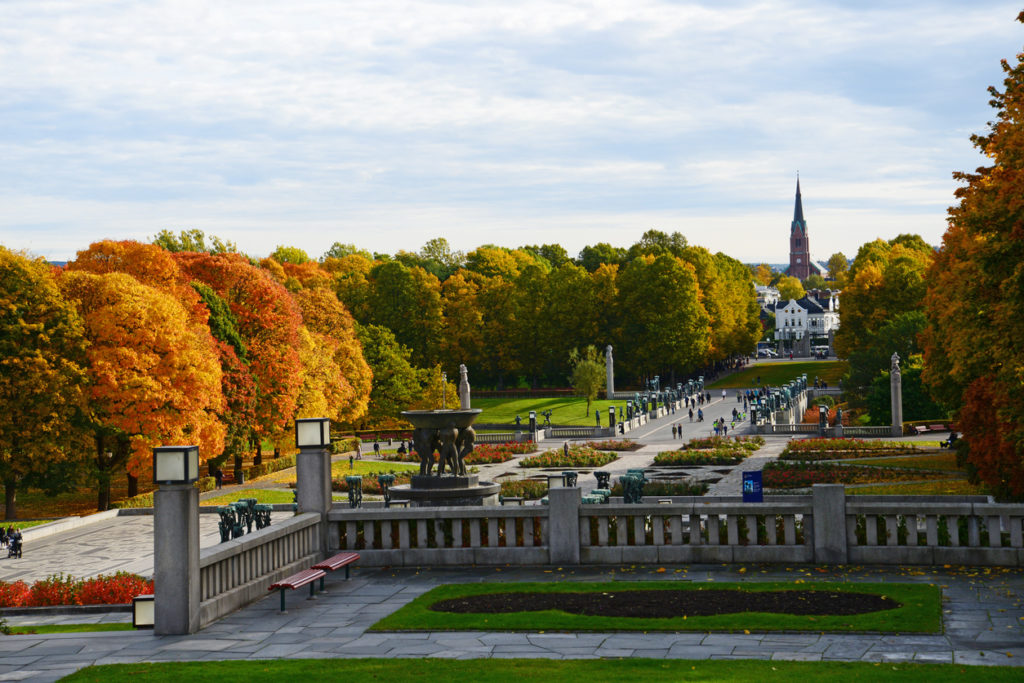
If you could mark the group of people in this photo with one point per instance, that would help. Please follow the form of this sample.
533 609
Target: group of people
699 400
10 538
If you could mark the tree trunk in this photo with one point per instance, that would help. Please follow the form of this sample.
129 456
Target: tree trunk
133 486
10 498
103 491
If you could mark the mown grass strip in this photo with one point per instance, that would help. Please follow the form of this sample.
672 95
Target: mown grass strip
779 373
69 628
920 613
542 670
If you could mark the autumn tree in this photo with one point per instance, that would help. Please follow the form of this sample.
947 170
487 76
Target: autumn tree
588 373
763 274
790 288
268 320
153 374
974 344
594 256
286 254
42 359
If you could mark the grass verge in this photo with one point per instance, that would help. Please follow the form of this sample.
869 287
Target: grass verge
920 613
946 487
543 670
778 373
69 628
564 411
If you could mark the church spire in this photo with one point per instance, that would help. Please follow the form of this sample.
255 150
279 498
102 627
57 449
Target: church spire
798 209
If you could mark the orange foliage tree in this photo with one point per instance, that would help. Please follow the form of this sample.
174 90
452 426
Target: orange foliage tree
154 375
268 321
974 343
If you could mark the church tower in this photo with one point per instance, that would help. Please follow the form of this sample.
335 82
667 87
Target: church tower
799 244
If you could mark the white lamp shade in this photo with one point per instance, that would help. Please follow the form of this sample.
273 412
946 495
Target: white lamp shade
314 432
175 464
555 480
142 611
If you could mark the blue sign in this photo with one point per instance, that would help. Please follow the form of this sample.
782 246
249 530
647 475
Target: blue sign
752 487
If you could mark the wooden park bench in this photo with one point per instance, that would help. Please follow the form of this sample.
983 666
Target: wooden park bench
336 562
921 429
306 576
938 428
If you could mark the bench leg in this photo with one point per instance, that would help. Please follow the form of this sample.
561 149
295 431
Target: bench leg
282 601
346 572
322 584
312 590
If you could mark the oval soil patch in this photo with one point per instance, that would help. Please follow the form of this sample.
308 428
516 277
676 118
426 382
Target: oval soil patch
671 603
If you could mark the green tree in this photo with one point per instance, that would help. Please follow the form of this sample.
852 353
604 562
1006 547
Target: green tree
340 251
285 254
790 288
814 281
396 383
602 253
193 240
42 372
588 373
917 401
658 243
838 267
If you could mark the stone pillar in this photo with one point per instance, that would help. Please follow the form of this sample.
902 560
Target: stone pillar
564 524
896 393
176 559
313 486
609 369
464 402
829 511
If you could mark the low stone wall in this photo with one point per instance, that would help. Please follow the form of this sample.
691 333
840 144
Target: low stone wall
238 572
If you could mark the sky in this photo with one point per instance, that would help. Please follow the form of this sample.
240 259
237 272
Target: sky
388 123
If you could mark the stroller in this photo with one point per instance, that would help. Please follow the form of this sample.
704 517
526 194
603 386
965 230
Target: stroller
14 545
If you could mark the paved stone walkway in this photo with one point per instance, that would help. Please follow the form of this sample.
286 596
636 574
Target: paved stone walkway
983 615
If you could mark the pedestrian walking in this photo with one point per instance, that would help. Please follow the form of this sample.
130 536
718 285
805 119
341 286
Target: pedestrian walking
218 476
673 432
691 414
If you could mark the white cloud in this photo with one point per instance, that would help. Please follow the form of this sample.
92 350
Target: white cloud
498 122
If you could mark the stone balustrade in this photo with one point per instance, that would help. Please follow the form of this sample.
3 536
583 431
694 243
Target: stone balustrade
237 572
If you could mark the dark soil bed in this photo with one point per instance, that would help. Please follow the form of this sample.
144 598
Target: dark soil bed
671 603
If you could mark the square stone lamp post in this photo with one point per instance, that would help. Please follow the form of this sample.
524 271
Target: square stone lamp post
176 540
313 469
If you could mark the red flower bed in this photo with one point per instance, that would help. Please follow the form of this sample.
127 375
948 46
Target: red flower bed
105 589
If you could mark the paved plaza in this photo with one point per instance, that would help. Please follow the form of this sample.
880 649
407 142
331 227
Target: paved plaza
982 610
982 614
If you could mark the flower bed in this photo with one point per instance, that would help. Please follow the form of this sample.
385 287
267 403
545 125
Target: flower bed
614 445
524 488
784 475
721 456
835 449
578 456
748 443
58 589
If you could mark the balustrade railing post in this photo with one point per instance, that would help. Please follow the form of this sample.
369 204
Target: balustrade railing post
564 525
829 511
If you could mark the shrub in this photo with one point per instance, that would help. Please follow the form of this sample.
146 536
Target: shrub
747 443
614 445
13 594
116 589
524 488
578 456
716 457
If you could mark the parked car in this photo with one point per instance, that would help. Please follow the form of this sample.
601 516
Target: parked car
766 353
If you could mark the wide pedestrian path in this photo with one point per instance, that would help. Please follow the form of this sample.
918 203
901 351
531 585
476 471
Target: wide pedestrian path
982 614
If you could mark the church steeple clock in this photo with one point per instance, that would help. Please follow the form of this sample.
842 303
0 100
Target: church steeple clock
799 244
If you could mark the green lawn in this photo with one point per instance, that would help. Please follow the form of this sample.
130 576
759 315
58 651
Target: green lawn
921 610
541 670
564 411
268 496
778 373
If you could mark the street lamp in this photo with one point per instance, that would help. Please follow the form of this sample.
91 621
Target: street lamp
175 464
313 432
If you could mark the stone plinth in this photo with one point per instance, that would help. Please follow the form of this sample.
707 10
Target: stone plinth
430 491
